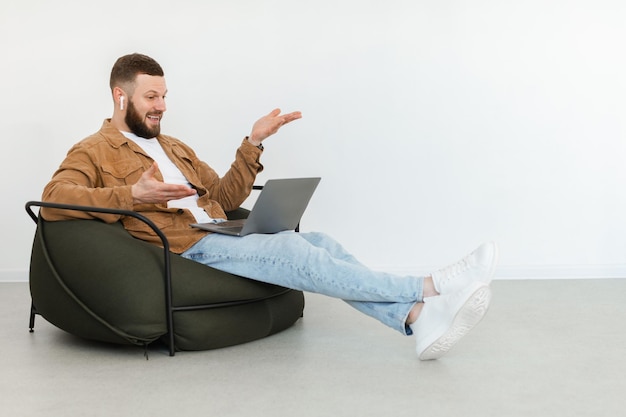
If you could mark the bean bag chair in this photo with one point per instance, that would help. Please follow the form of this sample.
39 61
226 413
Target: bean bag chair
96 281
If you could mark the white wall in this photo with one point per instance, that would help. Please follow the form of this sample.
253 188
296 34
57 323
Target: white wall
458 121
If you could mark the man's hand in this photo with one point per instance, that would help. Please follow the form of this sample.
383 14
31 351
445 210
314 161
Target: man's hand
269 124
150 190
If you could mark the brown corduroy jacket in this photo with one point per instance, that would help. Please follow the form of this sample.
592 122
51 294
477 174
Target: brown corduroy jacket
100 170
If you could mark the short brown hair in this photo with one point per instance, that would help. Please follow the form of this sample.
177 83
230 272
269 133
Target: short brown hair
127 67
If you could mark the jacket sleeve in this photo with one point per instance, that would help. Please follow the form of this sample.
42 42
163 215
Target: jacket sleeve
79 181
232 189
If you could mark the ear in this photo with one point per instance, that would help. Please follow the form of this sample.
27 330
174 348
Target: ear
118 93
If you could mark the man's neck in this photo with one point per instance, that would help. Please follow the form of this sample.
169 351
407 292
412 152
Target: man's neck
118 122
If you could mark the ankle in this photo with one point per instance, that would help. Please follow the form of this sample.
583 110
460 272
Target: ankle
429 287
414 313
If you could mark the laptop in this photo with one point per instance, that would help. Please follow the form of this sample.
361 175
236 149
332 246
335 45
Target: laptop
279 207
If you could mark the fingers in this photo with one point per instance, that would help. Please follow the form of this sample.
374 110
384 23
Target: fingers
285 118
151 171
169 192
290 117
159 192
151 190
280 120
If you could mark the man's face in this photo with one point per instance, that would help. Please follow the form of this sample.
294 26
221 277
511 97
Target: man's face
146 106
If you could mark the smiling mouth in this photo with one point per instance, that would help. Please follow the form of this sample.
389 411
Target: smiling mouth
154 118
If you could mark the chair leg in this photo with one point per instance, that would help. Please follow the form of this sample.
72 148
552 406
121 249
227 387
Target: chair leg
31 323
170 331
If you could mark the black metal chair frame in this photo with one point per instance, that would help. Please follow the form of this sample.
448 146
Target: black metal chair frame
171 309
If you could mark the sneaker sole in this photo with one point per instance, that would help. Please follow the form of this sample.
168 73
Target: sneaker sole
465 320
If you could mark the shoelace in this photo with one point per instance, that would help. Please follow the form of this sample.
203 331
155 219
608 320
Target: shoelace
454 269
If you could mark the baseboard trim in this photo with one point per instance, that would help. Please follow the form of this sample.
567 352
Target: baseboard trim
13 275
561 272
515 272
502 272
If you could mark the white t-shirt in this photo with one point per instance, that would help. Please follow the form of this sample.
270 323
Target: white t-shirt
171 175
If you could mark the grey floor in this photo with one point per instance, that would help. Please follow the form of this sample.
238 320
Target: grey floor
546 348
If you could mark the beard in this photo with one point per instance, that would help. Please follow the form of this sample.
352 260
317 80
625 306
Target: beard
137 124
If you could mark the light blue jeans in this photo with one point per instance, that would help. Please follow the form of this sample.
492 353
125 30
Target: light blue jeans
313 262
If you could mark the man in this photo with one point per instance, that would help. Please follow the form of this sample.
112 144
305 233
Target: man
130 165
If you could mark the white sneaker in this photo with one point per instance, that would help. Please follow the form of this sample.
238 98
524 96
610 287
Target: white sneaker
478 266
445 319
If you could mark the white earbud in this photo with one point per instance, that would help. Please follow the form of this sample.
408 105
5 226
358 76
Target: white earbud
122 103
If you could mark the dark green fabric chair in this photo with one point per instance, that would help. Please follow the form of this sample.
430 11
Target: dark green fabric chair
96 281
